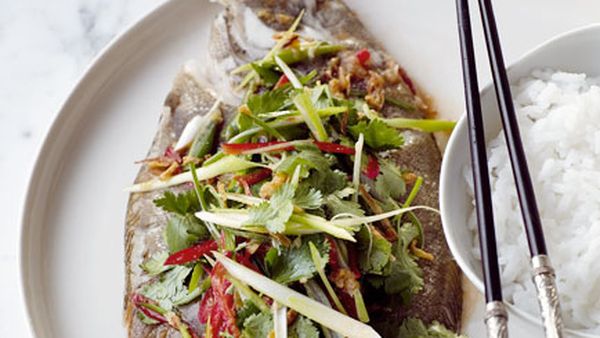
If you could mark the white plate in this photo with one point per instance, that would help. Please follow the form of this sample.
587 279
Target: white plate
72 232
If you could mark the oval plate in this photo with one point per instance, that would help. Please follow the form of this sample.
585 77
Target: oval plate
72 233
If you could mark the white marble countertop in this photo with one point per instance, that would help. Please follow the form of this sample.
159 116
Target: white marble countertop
44 48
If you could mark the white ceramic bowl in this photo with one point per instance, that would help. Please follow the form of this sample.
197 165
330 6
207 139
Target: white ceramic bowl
576 51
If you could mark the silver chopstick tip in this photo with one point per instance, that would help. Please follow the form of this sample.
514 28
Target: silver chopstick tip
496 320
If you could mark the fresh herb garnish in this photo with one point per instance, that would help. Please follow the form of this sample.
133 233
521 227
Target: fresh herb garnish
295 263
378 135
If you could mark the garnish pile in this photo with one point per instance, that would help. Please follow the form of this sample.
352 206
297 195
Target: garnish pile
292 223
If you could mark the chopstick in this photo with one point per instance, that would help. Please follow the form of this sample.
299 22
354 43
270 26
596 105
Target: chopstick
543 273
496 315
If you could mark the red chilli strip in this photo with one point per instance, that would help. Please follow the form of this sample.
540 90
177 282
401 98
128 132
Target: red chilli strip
254 177
353 260
407 80
282 81
328 147
138 300
192 253
238 148
372 169
363 56
172 154
217 305
334 148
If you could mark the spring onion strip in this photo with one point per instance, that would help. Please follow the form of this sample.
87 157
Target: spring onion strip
320 265
265 126
279 320
310 115
358 148
413 192
203 205
275 147
226 164
197 123
196 273
294 112
313 290
375 218
289 73
361 308
245 199
427 125
310 308
286 36
299 224
245 291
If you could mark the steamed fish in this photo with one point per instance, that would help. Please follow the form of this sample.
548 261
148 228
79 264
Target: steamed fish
291 189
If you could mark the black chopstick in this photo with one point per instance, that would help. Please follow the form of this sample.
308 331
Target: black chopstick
529 209
496 315
543 273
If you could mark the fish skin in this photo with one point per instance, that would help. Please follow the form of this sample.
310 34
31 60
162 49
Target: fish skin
441 298
144 221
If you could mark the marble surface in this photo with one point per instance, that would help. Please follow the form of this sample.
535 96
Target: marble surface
44 48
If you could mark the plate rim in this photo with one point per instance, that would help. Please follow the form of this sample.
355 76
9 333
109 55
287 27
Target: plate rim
126 33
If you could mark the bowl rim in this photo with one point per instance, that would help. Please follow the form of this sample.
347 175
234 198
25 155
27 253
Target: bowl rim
461 126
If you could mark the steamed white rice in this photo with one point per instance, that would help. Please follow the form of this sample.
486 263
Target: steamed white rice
559 118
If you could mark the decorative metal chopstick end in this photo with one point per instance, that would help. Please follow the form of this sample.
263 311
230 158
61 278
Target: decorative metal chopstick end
545 283
496 320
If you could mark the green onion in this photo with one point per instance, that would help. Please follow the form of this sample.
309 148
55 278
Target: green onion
280 320
244 290
375 218
224 165
361 308
196 273
289 73
310 308
413 192
358 148
427 125
264 125
320 265
311 117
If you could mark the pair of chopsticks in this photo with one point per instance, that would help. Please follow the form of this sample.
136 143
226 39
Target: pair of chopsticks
543 274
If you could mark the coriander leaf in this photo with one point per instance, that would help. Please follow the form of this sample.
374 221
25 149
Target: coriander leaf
268 75
182 203
378 135
308 198
303 328
267 102
169 288
415 328
389 183
156 264
258 325
308 159
273 214
183 231
326 181
245 311
295 262
374 251
404 276
336 205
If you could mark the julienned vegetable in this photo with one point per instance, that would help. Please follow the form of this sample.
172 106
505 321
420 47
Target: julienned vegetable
299 224
227 164
273 146
310 308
